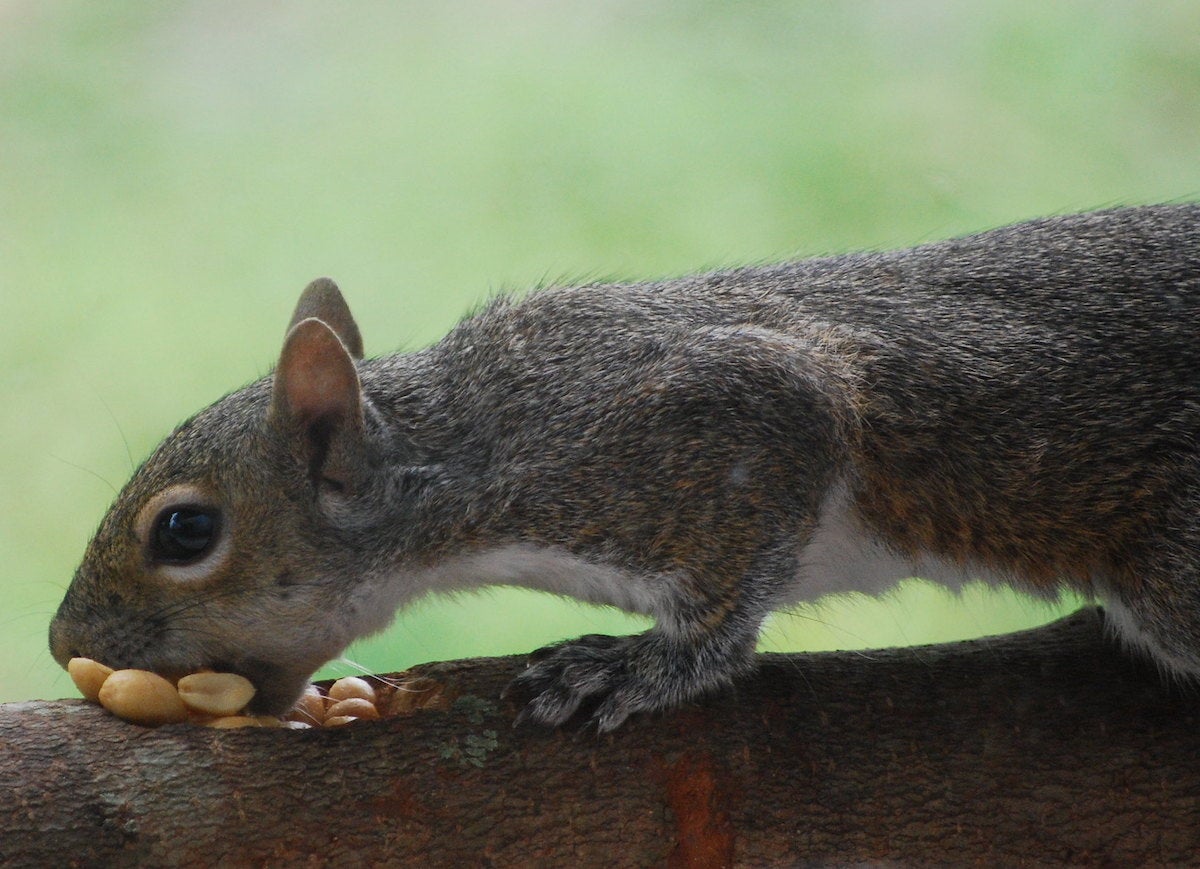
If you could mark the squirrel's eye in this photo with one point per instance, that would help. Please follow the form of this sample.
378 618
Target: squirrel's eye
183 533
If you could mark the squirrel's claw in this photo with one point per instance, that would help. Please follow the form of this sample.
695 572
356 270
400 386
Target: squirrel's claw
563 678
608 678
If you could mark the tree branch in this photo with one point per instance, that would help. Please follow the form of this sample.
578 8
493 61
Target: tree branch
1045 746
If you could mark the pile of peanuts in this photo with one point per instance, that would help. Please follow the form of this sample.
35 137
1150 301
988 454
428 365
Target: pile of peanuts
349 699
220 699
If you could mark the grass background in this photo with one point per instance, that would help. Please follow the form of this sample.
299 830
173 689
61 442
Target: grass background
171 174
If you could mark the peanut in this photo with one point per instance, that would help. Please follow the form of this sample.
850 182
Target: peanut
142 697
218 694
351 686
230 722
355 706
310 708
88 676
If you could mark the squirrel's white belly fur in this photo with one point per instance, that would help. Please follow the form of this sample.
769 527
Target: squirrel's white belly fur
526 565
838 558
842 556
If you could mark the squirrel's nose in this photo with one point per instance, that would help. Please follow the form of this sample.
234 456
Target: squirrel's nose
62 646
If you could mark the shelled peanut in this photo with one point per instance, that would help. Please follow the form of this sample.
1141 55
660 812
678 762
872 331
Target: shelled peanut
150 699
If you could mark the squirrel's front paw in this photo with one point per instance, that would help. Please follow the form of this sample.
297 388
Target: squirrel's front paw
617 675
593 669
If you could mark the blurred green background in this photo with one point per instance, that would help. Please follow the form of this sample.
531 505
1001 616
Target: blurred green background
173 174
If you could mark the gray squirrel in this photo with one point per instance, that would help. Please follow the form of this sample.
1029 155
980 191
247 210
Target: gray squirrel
1021 405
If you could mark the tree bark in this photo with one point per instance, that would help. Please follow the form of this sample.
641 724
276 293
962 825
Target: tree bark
1043 747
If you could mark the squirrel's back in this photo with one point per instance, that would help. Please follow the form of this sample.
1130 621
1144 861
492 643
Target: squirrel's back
1021 399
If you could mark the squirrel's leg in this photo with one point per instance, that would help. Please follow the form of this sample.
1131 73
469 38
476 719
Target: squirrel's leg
1152 596
1154 605
752 430
701 649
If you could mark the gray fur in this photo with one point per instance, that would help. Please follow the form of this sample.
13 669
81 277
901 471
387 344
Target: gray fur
1024 401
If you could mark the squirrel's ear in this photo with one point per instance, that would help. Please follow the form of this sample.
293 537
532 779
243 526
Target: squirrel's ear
317 396
322 300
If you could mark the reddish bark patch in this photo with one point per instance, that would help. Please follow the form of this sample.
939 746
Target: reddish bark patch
704 833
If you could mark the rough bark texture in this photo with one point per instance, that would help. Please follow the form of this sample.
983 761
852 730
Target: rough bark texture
1045 747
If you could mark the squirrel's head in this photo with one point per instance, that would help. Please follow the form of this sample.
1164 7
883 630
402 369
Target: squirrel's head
233 546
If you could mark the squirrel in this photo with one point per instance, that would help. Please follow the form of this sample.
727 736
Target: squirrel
1020 406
